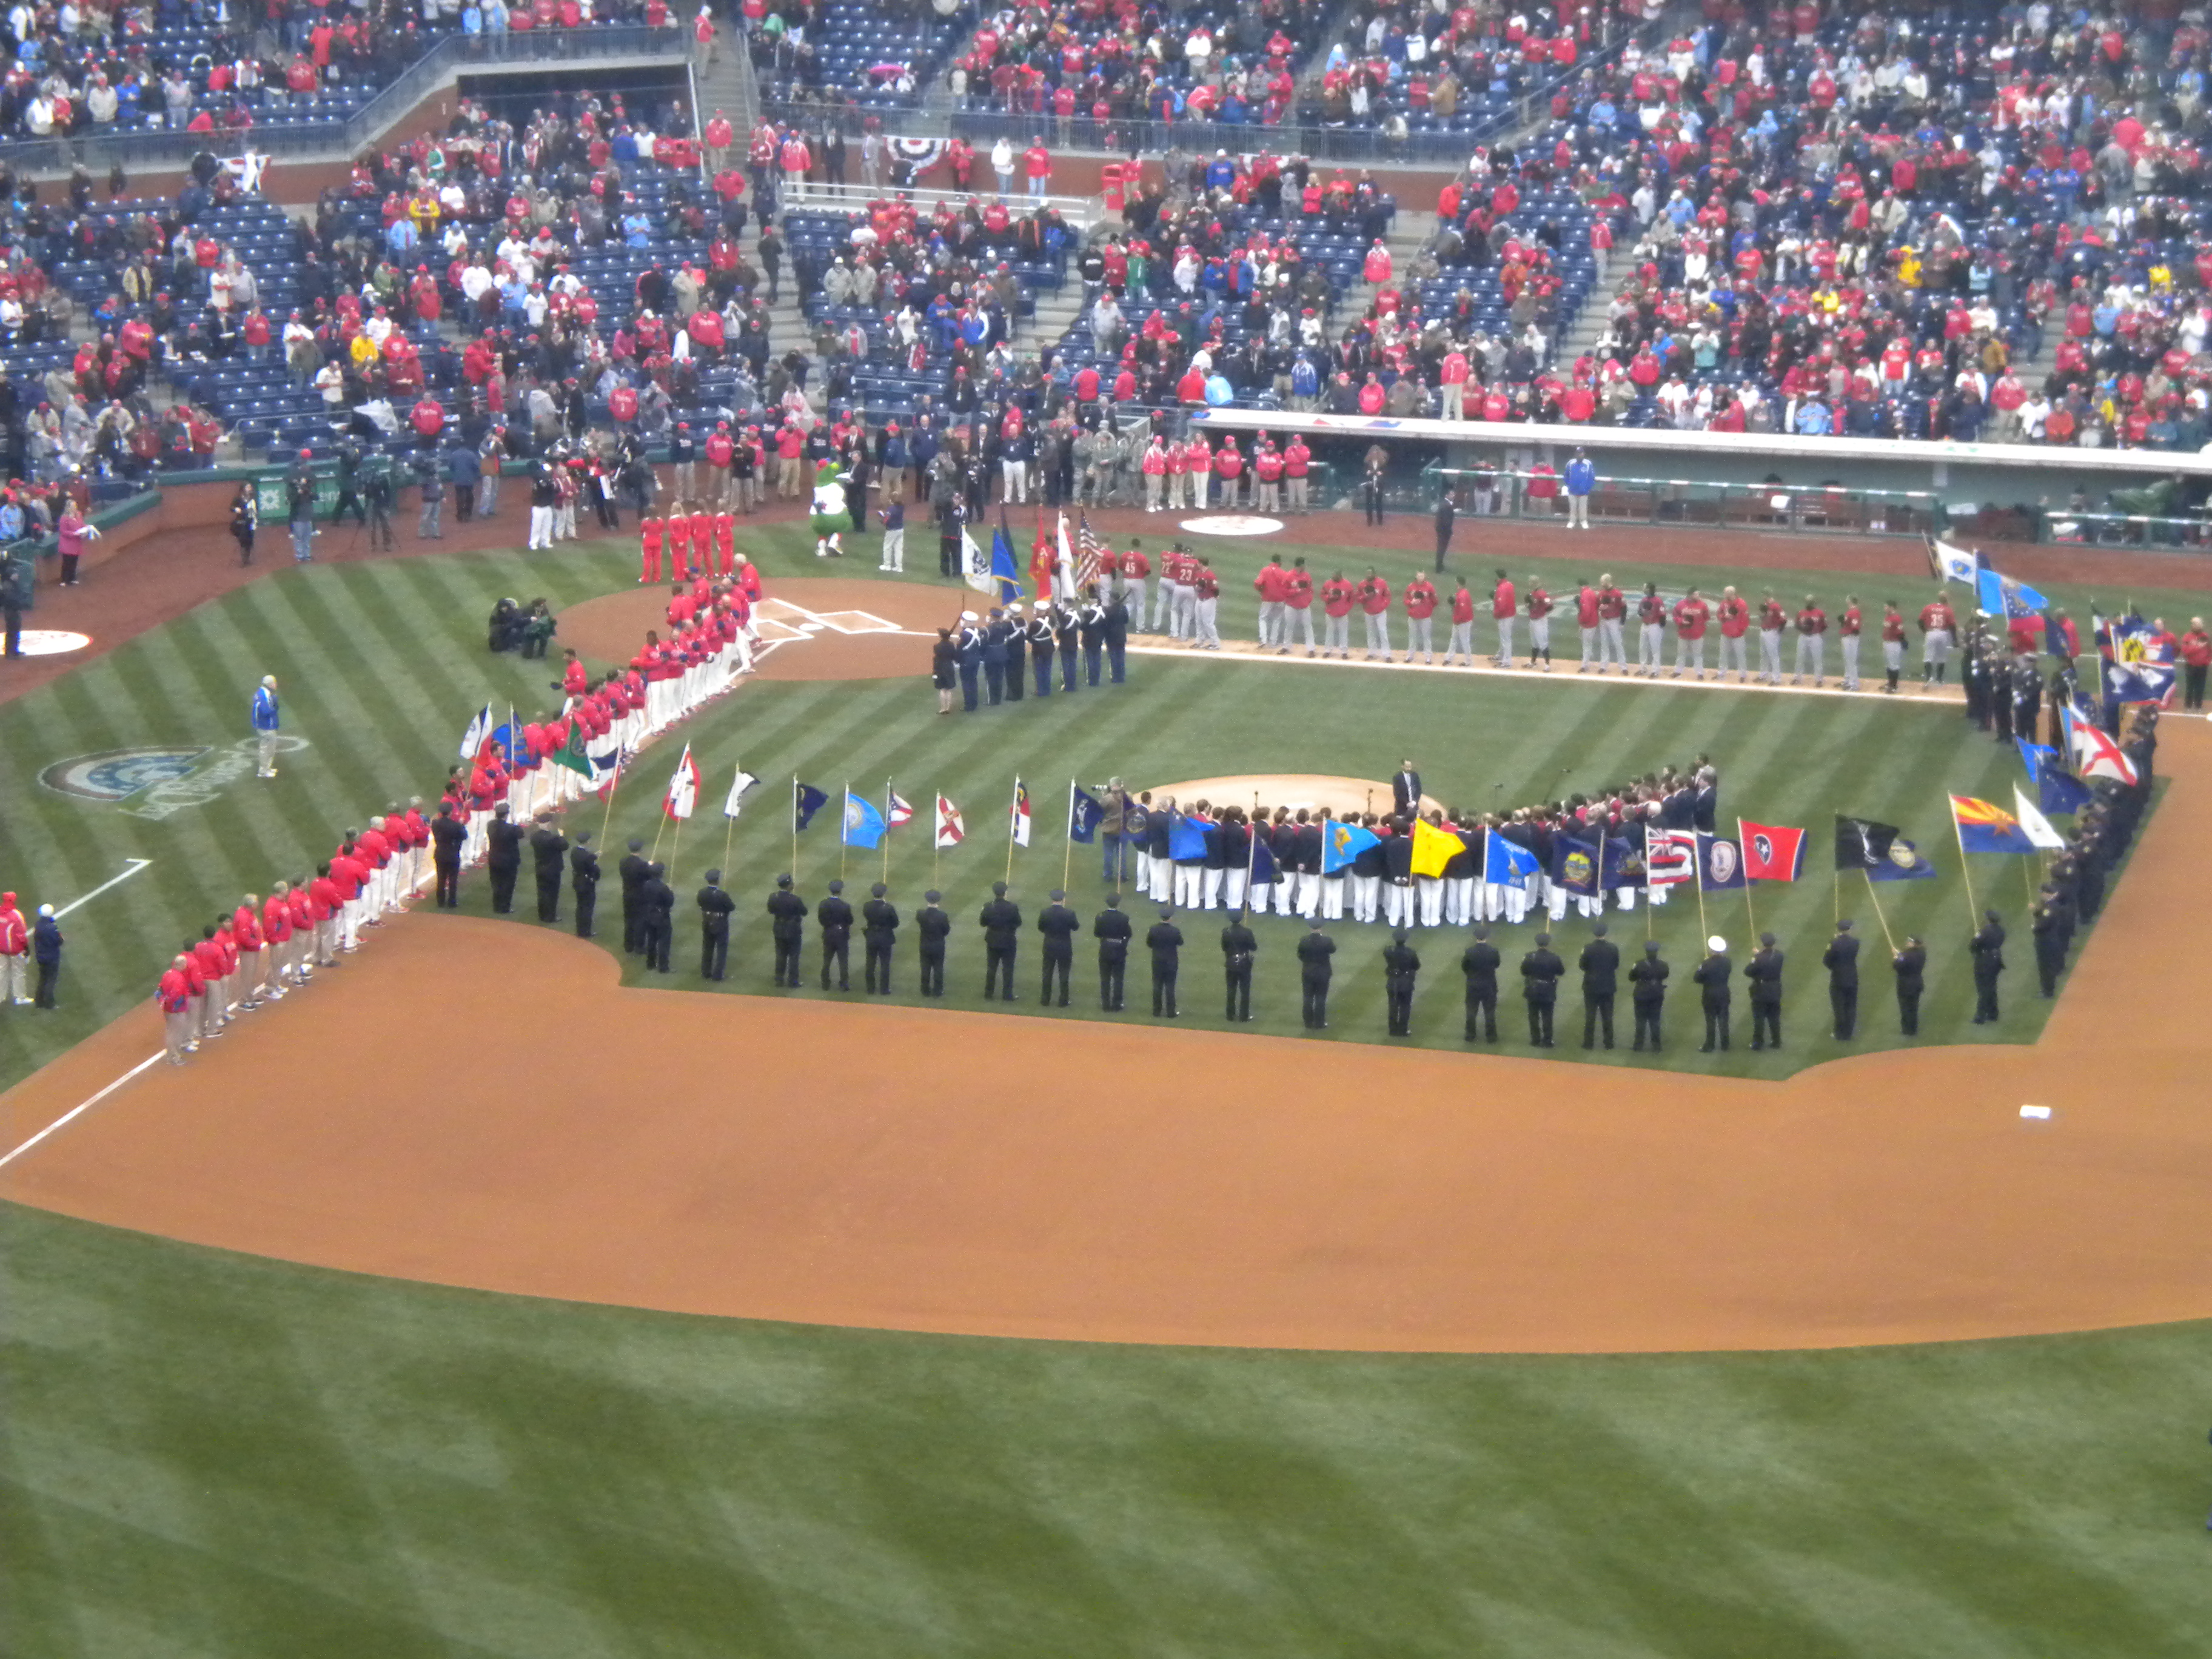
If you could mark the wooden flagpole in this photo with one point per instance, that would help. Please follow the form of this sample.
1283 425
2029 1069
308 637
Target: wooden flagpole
936 807
1697 873
1965 875
887 833
670 874
1874 897
1750 909
657 835
1067 859
794 829
2028 880
607 818
843 845
1252 854
729 831
1014 818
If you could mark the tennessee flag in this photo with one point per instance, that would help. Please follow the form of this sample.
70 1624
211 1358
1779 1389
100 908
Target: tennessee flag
1434 848
1985 827
1771 852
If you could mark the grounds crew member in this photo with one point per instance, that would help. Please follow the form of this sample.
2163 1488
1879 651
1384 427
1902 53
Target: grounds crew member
632 870
933 925
1540 970
835 917
786 925
1478 964
657 901
1988 948
1001 920
1647 994
503 859
1164 940
584 882
549 847
1711 976
1315 951
1239 947
1058 924
715 909
1763 970
879 920
1841 959
1401 968
1112 930
1911 966
1600 968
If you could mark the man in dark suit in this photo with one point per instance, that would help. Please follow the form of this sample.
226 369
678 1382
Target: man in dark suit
1115 628
1238 947
1058 924
1479 962
968 645
1911 966
1712 977
1314 973
448 835
584 881
996 632
1018 651
549 848
1401 968
1164 940
1988 948
1001 920
1405 792
1763 970
1600 965
503 860
657 901
879 920
715 909
632 869
1647 994
1841 959
932 925
1113 932
834 916
787 913
1540 984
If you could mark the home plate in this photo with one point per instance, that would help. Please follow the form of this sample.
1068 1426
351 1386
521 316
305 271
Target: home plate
859 621
2036 1114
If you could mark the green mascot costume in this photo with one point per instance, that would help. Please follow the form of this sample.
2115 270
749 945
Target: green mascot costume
830 514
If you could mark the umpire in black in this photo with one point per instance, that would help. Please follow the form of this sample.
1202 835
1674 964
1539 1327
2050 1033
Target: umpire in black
880 921
1113 932
584 881
548 849
1058 924
1988 947
1540 985
787 913
1479 962
1238 947
1001 920
1401 970
714 908
1315 951
632 869
1841 959
1601 967
1647 996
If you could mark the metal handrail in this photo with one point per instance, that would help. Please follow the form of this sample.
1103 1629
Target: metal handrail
1078 212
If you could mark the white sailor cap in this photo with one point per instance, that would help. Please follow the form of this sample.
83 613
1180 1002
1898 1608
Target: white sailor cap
967 615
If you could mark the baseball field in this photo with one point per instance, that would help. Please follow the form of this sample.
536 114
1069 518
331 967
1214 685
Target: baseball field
1824 1350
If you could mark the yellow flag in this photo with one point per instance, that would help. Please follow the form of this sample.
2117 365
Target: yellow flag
1434 848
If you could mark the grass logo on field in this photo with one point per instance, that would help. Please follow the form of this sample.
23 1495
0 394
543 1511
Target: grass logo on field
117 775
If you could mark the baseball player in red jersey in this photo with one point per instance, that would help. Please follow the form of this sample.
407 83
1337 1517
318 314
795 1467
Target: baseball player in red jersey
1735 622
1611 612
1336 597
1298 606
277 940
1847 631
324 903
1689 616
1539 605
1504 606
14 952
246 929
1939 632
1893 644
650 535
1374 602
1586 617
1420 607
1462 633
1811 643
173 997
1773 621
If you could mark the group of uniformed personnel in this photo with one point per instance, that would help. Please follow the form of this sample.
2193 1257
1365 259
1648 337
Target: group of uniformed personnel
991 659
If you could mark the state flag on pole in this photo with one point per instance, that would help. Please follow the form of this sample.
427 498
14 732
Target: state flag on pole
806 801
1670 857
864 825
745 781
479 729
1187 837
2036 827
1507 863
2095 754
682 788
1340 843
1985 827
1263 862
1019 813
1771 852
1575 866
898 811
975 565
1720 864
1085 811
950 831
1434 848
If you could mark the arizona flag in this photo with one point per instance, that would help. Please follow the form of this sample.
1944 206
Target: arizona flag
1020 813
2095 754
682 788
1985 827
950 831
1771 852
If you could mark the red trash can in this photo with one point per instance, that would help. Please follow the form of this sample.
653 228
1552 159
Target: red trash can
1111 181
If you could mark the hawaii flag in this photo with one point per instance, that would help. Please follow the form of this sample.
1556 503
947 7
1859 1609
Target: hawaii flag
1021 813
899 813
1670 857
950 831
683 787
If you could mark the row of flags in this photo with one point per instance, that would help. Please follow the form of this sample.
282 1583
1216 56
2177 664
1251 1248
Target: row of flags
1084 559
2137 661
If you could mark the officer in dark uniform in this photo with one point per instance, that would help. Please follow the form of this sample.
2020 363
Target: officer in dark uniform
1763 970
1058 924
968 644
1711 976
879 920
1401 968
584 881
1911 966
1065 633
1238 947
550 849
1601 966
715 909
1479 963
1091 627
448 835
1041 645
1999 693
949 517
2050 943
1164 940
1315 951
1002 931
1113 627
932 925
657 900
1647 994
1113 932
1988 947
504 859
787 913
632 870
1540 970
1841 959
996 632
1018 651
836 918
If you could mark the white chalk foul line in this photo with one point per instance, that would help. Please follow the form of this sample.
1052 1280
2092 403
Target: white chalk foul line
132 867
66 1118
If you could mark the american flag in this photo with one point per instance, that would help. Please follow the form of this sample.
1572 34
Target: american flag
1092 556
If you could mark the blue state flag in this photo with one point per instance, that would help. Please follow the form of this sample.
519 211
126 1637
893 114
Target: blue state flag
2004 596
1341 843
1084 813
1263 862
1900 861
1187 837
1004 570
1624 861
2056 789
1720 864
1575 866
806 801
864 825
1506 863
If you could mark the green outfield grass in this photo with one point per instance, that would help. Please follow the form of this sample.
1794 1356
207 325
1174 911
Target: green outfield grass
382 664
208 1454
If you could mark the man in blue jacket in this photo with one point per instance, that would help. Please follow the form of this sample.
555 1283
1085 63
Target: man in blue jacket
1582 478
265 724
